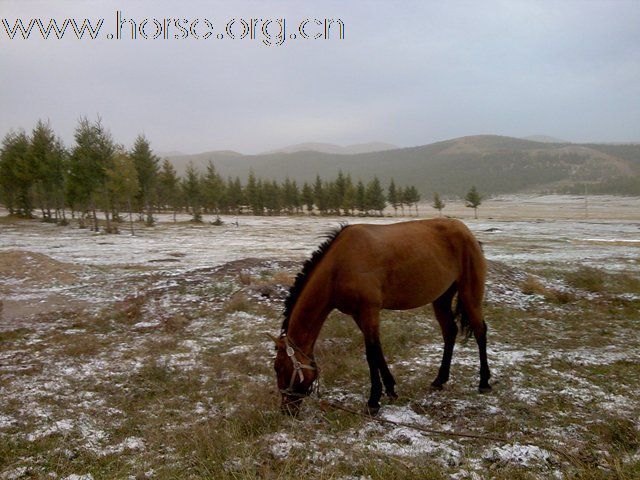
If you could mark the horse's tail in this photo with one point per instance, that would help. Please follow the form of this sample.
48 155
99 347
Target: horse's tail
462 319
468 310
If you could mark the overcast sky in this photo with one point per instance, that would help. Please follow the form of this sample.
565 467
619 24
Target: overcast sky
405 73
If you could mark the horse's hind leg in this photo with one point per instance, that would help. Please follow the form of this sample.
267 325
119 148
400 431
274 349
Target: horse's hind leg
446 319
369 323
472 310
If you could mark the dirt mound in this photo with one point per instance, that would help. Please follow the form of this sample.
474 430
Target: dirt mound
35 268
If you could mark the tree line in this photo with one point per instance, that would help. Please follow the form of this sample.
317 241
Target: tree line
97 175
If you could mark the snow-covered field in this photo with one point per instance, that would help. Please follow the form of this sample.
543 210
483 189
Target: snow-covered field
145 356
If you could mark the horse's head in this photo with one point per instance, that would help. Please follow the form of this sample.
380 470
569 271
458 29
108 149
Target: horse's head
295 372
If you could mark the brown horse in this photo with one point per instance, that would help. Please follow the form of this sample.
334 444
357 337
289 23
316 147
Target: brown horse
362 269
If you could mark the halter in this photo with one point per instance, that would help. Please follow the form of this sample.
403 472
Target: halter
297 368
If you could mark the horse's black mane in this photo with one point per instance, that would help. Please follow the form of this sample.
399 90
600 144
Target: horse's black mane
303 275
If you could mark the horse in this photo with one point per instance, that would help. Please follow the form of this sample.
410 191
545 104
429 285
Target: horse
363 268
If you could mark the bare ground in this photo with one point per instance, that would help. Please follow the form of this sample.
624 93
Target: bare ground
143 370
173 379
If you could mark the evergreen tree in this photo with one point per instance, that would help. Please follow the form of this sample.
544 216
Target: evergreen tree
349 197
392 196
272 197
438 203
146 164
340 186
320 196
192 191
213 189
296 197
375 199
16 174
411 197
234 195
307 197
333 197
290 196
361 198
253 194
122 185
473 200
90 158
47 159
168 187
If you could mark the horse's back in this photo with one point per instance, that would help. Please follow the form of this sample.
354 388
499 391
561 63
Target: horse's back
403 265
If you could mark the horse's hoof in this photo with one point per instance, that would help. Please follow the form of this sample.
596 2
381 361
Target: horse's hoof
393 396
372 410
484 388
435 387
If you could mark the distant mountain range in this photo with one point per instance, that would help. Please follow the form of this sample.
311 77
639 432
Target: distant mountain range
544 139
495 164
335 149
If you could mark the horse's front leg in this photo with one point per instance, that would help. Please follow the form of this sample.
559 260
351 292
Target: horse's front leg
369 323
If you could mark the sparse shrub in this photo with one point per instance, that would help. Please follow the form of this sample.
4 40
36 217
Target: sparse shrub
620 433
533 286
174 323
560 296
130 309
282 278
89 346
587 278
245 278
238 303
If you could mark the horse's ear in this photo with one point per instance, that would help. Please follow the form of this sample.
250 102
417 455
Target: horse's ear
275 339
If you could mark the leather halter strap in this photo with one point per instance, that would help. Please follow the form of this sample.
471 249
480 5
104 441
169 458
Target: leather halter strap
298 367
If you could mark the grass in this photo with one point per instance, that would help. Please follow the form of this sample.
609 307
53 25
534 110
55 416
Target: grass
199 392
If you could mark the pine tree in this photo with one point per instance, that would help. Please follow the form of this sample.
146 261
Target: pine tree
272 197
333 198
307 197
16 174
438 203
361 198
47 158
213 189
290 196
473 200
412 197
254 194
392 196
168 187
375 196
146 164
320 195
192 191
234 195
90 158
122 184
349 198
340 191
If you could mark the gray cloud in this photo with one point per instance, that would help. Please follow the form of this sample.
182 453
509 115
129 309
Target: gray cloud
406 73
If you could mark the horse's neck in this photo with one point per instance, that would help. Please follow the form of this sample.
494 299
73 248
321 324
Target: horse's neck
309 313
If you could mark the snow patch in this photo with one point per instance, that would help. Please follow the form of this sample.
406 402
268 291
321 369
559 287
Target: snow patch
518 455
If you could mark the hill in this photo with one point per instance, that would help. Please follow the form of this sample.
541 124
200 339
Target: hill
495 164
335 149
544 139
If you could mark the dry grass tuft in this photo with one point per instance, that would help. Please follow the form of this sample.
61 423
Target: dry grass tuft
587 278
129 310
238 303
174 323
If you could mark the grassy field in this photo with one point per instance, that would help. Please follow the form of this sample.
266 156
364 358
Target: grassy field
148 372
